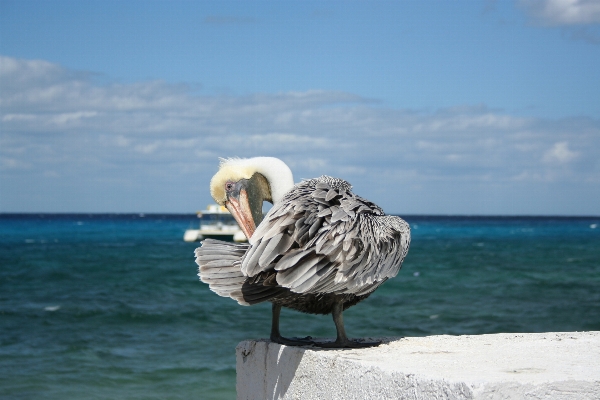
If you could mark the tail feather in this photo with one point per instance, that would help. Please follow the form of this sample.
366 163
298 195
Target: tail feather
219 266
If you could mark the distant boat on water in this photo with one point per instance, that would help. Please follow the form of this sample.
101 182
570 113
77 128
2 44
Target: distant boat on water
216 222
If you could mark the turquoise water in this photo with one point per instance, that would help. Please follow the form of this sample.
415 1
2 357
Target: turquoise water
109 306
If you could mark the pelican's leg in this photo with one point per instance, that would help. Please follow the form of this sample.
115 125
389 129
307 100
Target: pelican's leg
342 340
276 335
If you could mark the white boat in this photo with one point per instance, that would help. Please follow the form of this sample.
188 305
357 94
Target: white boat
216 223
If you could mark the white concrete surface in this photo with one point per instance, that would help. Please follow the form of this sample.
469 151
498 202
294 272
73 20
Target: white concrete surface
502 366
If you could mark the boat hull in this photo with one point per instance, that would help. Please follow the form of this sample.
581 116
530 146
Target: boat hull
196 235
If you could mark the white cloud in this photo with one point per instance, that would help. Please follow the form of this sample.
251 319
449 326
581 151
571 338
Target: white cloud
313 165
65 118
275 141
564 12
147 148
54 119
18 117
12 163
121 141
560 153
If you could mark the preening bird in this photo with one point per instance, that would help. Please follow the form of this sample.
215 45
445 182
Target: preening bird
320 249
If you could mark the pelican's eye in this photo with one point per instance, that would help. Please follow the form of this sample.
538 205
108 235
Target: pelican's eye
229 186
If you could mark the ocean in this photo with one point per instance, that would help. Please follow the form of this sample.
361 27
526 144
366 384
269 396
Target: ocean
110 307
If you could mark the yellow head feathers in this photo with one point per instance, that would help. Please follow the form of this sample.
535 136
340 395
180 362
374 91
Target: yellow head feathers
277 173
231 169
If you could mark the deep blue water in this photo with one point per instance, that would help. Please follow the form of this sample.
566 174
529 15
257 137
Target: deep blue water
109 306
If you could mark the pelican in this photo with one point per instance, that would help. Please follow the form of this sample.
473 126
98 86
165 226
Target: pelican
320 249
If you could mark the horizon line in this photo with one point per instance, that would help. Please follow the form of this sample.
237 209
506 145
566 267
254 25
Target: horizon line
144 214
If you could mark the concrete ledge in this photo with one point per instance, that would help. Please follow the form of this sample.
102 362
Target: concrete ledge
502 366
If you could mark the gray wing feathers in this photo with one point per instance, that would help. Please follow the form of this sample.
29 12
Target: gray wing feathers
323 238
219 265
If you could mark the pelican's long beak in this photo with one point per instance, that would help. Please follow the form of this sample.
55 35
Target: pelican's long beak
245 204
239 207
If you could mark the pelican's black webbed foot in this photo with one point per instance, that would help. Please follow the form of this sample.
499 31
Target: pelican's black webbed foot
347 344
307 341
276 336
342 341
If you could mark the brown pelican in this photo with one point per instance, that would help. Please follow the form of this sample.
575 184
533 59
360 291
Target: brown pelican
320 249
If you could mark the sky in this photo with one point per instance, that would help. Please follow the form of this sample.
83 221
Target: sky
425 107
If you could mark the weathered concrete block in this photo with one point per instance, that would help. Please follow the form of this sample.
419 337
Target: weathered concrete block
502 366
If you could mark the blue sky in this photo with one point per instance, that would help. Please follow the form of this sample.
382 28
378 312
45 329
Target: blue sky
426 107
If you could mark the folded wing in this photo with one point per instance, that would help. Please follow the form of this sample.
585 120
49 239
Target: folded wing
321 238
